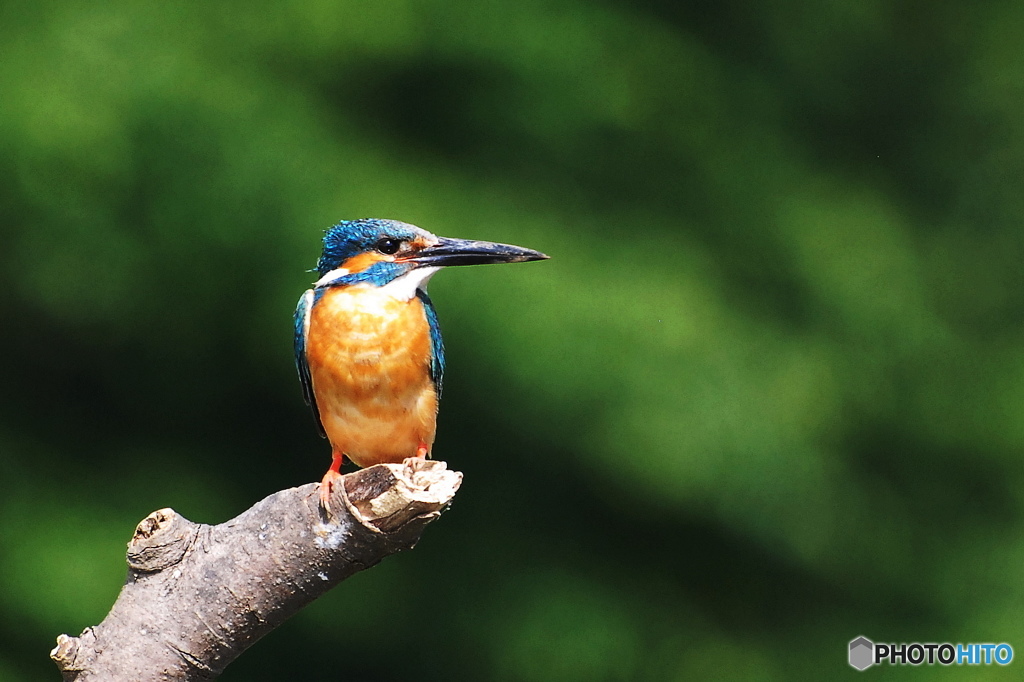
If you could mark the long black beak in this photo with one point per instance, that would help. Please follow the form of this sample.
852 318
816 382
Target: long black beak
469 252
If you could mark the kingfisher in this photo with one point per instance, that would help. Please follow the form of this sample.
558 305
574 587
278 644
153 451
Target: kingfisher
367 342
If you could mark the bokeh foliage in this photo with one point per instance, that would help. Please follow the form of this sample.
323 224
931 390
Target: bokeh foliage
767 396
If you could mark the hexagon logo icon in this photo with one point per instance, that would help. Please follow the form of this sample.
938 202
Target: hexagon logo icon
862 653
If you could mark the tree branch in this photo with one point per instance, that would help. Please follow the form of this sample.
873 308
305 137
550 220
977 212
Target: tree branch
197 596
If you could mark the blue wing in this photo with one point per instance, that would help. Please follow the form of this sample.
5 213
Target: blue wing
301 322
436 345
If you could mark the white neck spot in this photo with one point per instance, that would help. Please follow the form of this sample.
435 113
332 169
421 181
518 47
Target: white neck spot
331 277
404 288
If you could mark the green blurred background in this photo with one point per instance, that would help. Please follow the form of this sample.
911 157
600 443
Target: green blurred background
767 396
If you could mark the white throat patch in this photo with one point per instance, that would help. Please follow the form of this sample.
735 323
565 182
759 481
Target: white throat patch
404 288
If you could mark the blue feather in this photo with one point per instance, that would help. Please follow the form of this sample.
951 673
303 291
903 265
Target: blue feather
301 311
378 274
353 237
436 344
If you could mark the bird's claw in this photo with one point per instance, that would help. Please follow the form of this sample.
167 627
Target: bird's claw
330 480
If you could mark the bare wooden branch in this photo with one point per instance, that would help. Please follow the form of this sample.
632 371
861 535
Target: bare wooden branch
197 596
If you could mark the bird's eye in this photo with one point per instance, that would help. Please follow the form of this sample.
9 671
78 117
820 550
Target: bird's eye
389 246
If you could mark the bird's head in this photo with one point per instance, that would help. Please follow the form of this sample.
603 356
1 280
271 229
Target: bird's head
382 252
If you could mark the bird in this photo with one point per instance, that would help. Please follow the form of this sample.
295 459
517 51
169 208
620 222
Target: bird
368 346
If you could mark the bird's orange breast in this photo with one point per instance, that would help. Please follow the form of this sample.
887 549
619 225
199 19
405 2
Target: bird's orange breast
369 358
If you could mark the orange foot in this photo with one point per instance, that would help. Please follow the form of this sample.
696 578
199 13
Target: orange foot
422 451
331 478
